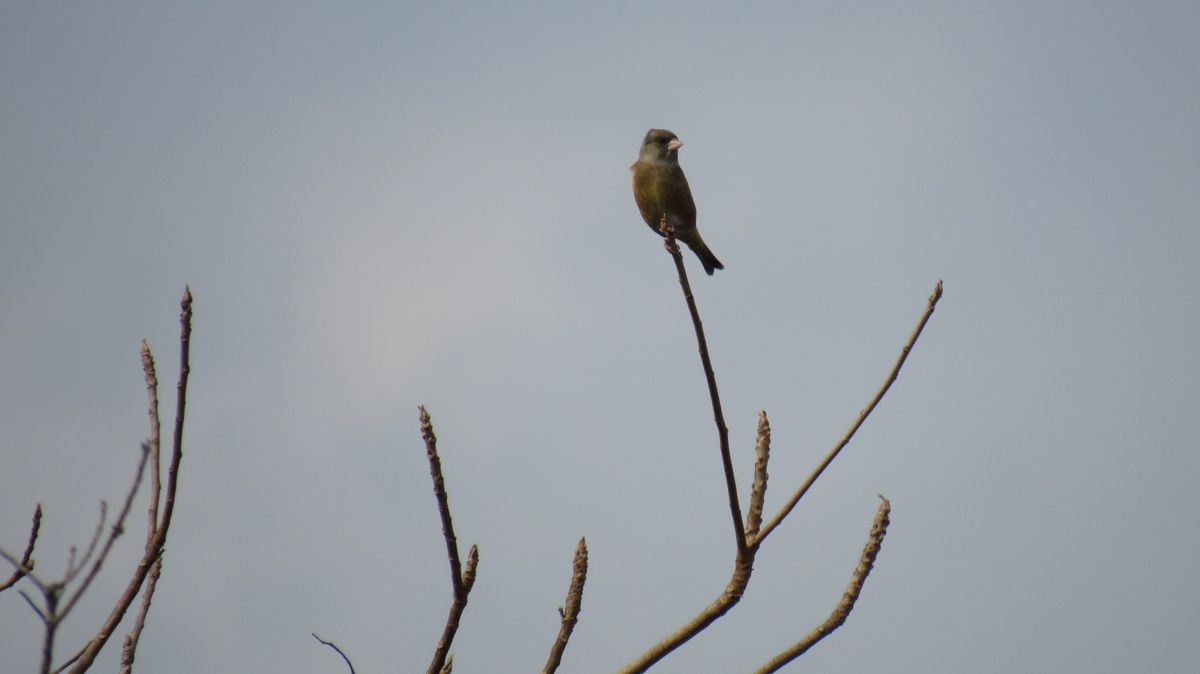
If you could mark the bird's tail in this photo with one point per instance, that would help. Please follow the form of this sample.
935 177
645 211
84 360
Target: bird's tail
710 261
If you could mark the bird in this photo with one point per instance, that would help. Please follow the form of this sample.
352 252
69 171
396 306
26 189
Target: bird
660 189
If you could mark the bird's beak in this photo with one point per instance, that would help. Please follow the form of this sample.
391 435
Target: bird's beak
674 144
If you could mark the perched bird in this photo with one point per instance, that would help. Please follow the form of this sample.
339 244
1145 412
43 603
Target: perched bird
660 188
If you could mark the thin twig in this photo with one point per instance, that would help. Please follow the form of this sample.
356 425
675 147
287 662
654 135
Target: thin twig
461 580
735 508
570 611
154 547
155 467
862 416
758 490
25 565
334 647
118 528
73 568
842 611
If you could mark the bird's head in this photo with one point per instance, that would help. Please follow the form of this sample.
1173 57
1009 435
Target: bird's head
659 145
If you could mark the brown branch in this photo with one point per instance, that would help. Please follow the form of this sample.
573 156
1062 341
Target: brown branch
335 648
862 416
735 508
461 580
842 611
75 566
570 611
26 564
728 599
758 490
129 646
154 442
118 528
156 543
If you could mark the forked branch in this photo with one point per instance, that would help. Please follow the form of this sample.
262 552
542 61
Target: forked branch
460 579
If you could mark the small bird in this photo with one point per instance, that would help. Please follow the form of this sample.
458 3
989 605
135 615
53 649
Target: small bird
660 188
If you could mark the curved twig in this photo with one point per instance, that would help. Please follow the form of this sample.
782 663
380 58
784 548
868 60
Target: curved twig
335 648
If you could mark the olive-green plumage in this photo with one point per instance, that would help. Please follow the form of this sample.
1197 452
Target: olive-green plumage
660 188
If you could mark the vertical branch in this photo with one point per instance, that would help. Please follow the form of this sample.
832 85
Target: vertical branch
735 508
758 490
461 580
570 611
842 611
155 468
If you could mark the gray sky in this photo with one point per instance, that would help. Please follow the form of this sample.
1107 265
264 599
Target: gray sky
387 204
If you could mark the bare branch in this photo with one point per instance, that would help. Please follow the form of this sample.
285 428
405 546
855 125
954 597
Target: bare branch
460 580
449 666
74 568
25 565
334 647
32 605
70 661
439 492
735 508
154 442
842 611
758 491
728 599
862 416
570 611
154 547
118 528
129 647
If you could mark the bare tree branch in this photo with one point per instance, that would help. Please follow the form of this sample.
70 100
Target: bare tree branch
570 611
75 566
719 607
155 468
862 416
26 564
758 490
129 646
155 543
735 508
460 580
335 648
118 528
842 611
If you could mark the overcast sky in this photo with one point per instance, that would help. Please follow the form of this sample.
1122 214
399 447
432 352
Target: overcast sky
379 205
